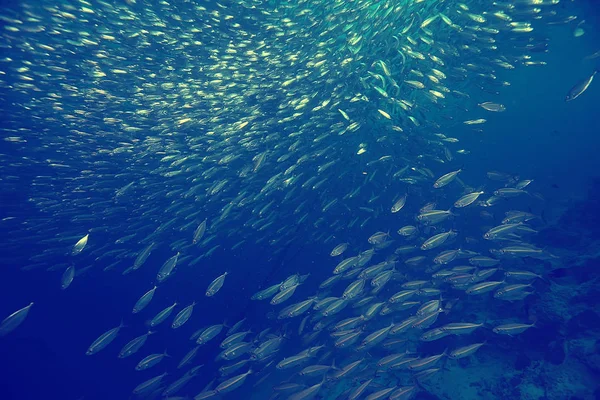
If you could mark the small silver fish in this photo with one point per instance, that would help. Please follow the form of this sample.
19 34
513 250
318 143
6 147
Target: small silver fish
580 87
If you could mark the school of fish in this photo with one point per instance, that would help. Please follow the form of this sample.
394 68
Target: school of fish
259 122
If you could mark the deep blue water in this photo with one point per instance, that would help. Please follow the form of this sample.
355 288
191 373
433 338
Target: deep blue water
539 137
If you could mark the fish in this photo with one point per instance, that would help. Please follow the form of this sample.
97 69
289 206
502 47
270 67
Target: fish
433 334
178 384
293 129
14 320
166 270
183 316
509 192
308 393
345 264
266 293
144 300
460 328
335 307
404 392
426 320
507 292
408 231
384 114
216 285
104 340
483 261
354 289
437 240
523 251
284 295
233 339
293 361
134 345
522 275
399 204
447 256
150 361
162 315
236 327
433 217
467 199
67 277
380 394
477 121
199 232
378 237
425 374
188 357
428 307
403 363
501 231
149 385
143 256
491 106
346 370
402 295
356 393
339 249
80 245
465 351
235 351
209 333
425 362
297 309
512 329
483 287
376 337
231 368
446 179
580 87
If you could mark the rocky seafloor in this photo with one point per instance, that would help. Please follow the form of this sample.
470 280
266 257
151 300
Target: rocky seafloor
560 359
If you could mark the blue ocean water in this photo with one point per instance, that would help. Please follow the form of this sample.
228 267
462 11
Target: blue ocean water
61 174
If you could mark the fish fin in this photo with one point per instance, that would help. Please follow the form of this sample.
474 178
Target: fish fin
333 366
534 321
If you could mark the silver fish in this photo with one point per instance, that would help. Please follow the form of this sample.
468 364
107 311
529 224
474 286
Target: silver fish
15 319
580 87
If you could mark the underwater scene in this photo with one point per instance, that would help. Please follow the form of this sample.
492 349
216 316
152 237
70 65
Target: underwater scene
308 199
